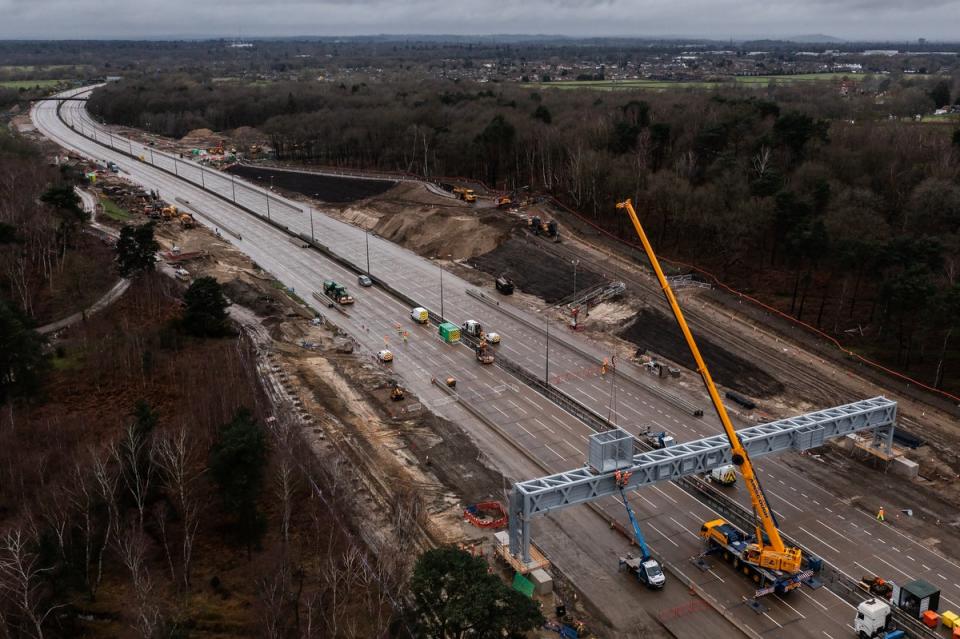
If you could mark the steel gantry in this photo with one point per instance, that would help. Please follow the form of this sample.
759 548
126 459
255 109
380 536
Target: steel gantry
614 450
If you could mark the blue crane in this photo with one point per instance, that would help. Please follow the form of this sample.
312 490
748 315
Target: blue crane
646 568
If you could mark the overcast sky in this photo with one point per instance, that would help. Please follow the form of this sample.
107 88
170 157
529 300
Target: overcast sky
853 19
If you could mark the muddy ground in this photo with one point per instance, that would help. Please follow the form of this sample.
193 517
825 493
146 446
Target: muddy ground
535 270
653 331
325 188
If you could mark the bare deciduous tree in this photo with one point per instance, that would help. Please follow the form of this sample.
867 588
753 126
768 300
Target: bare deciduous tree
21 582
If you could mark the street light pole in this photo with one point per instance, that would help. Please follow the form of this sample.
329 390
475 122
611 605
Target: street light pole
575 263
546 374
268 197
441 292
203 184
366 240
233 187
311 227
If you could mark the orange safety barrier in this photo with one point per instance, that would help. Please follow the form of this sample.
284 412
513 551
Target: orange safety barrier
486 514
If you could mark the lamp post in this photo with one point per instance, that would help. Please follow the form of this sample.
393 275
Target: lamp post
268 197
366 240
575 263
546 373
233 187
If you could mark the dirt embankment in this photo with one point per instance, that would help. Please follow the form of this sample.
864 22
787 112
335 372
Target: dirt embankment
653 331
326 188
535 270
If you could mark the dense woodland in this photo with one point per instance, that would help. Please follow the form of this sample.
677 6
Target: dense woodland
839 209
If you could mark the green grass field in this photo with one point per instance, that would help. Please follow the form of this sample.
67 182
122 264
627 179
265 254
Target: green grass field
28 84
114 212
946 118
663 85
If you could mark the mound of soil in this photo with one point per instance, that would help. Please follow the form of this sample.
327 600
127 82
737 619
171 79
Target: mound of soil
333 189
655 332
536 271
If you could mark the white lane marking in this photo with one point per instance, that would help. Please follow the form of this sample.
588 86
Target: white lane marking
637 493
684 528
547 446
660 532
710 570
952 603
784 500
656 488
588 394
575 449
837 532
820 539
772 619
525 430
894 567
784 602
517 406
800 590
542 424
827 634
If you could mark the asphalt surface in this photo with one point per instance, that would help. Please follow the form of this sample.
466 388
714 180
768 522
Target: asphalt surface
843 535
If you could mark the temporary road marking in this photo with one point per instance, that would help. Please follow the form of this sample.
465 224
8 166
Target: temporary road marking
553 451
637 493
772 619
662 535
784 500
710 570
837 532
683 528
542 424
819 539
657 488
800 590
782 600
517 406
894 567
525 430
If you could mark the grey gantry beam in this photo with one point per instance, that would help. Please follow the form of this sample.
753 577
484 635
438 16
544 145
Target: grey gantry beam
614 450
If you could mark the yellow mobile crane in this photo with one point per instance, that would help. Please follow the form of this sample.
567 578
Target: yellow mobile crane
766 558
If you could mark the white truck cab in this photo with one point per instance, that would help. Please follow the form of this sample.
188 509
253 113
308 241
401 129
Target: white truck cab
873 619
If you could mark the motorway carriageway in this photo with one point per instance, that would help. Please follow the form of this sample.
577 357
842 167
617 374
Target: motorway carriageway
844 536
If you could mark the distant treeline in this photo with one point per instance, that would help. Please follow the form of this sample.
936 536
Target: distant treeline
817 202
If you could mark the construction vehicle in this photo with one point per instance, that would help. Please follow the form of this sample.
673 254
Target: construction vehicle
504 202
465 194
449 333
336 292
187 221
874 621
420 315
169 213
645 567
504 284
877 586
484 355
384 356
474 329
547 228
660 440
773 566
397 393
723 475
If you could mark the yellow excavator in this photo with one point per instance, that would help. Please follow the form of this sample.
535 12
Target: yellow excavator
772 564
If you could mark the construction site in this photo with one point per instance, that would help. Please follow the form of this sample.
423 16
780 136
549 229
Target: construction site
627 444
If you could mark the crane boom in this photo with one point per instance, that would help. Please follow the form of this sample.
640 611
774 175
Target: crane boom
770 551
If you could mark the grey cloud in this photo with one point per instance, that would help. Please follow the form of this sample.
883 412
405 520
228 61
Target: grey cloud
857 19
